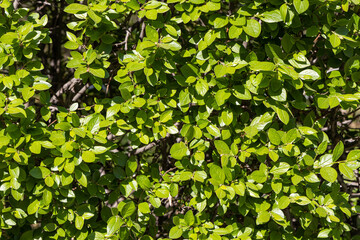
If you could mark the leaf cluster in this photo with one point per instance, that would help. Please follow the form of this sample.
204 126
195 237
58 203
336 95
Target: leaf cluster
180 119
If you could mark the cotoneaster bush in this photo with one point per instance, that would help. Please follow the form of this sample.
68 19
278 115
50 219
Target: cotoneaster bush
181 119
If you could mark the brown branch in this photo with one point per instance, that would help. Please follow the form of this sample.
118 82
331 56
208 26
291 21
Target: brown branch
67 86
16 4
81 92
44 4
145 148
354 195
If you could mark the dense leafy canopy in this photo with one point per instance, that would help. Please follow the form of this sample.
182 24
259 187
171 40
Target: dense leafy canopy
194 119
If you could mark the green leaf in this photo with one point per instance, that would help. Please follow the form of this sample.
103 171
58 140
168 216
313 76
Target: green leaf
143 182
217 173
282 114
220 70
4 141
334 40
175 232
57 138
221 96
162 193
50 227
96 236
113 225
261 66
65 126
88 156
241 92
259 176
346 171
75 8
353 155
111 111
326 160
283 202
33 207
8 82
302 200
144 207
234 32
9 38
306 130
184 98
189 218
179 150
171 30
81 178
128 209
280 168
338 151
201 87
309 74
324 233
35 147
94 16
27 235
226 118
222 147
200 176
71 46
252 28
251 131
291 136
152 33
151 14
74 107
263 217
39 172
166 116
274 137
97 72
221 22
213 130
322 147
71 37
329 174
301 5
79 222
272 16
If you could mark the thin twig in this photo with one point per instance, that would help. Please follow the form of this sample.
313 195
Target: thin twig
52 122
128 33
316 39
171 169
142 33
349 113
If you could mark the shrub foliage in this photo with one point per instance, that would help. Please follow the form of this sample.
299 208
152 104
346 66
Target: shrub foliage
192 119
